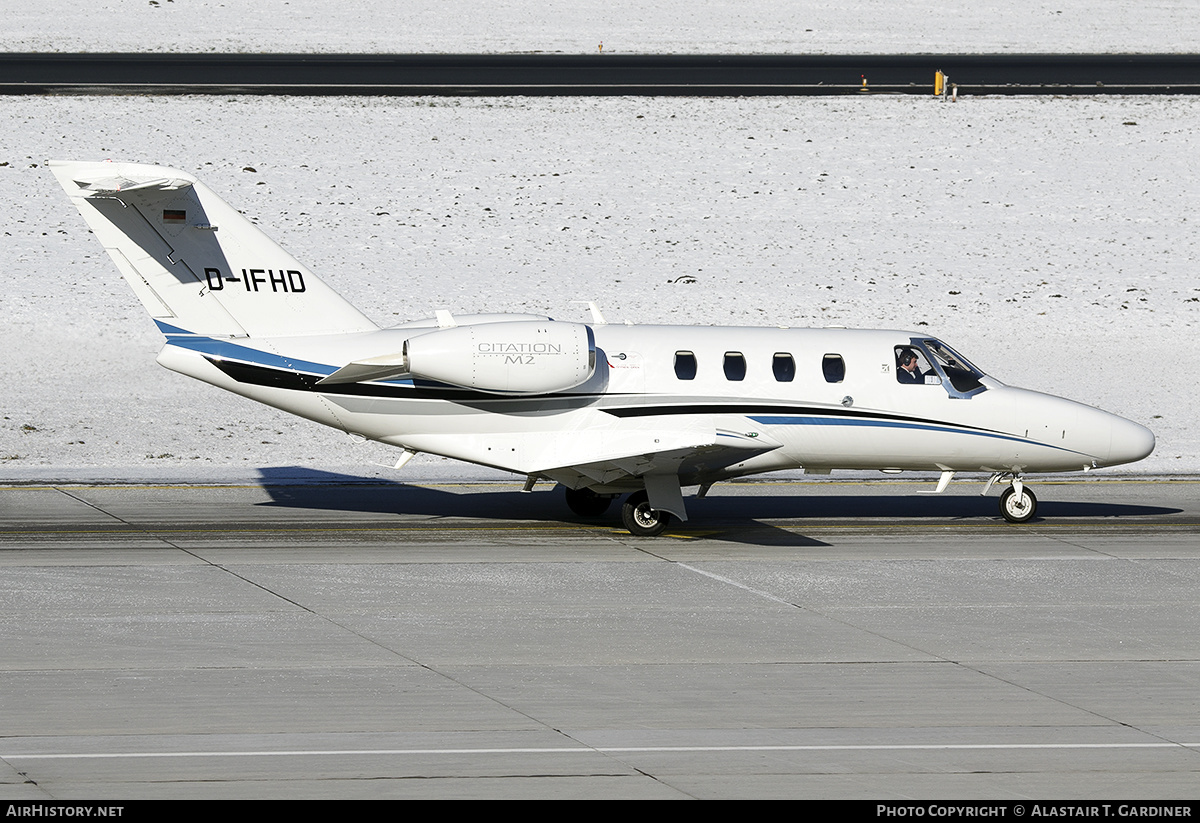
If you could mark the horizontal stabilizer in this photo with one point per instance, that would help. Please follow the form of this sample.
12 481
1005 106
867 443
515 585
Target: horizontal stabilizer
115 179
117 184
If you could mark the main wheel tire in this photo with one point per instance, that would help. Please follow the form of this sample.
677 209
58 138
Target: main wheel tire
640 519
1018 508
586 503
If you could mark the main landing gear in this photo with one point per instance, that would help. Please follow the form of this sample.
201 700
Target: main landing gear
636 512
640 519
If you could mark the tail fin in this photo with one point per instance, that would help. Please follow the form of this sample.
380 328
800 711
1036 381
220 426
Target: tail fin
197 265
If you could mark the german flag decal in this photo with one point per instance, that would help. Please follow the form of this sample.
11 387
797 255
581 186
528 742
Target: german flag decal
174 216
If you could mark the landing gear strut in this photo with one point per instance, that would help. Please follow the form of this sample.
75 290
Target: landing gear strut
640 519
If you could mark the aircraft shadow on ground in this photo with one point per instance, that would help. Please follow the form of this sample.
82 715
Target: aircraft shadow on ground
729 518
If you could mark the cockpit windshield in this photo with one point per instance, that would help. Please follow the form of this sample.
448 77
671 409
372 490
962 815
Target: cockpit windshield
958 370
931 362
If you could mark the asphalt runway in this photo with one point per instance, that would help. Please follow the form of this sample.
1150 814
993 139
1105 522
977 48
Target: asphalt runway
794 639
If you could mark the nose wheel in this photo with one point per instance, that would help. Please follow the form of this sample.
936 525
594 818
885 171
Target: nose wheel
1017 503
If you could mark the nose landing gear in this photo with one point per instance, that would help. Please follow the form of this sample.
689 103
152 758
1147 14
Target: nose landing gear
1017 503
1017 506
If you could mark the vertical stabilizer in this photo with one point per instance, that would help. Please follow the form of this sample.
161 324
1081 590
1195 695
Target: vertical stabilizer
197 265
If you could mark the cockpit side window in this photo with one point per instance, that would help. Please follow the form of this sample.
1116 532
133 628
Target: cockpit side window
685 365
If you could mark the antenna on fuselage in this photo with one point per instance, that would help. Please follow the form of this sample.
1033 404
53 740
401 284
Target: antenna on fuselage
597 317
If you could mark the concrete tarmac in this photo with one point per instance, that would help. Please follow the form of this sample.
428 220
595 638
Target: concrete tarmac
794 639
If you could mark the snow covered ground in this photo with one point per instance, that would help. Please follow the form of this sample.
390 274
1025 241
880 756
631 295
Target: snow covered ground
580 26
1050 240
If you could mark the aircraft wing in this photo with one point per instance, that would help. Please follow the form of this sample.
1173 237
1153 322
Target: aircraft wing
660 452
659 462
603 450
600 445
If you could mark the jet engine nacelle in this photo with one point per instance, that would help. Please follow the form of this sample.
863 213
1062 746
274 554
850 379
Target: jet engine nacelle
524 357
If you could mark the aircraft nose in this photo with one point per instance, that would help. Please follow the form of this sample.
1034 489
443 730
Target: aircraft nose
1130 442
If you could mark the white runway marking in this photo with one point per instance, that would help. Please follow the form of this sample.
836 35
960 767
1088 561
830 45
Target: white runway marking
731 582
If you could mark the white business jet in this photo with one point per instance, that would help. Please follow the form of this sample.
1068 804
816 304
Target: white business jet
600 409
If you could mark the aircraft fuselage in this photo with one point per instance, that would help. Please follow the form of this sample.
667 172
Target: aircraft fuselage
855 415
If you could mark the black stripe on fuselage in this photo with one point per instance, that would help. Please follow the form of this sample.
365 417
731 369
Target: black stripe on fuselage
253 375
747 409
297 381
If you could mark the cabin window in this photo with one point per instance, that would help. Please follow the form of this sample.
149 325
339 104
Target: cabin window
685 365
834 368
735 366
784 367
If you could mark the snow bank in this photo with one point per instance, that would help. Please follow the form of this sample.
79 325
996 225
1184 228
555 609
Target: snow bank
1049 240
581 26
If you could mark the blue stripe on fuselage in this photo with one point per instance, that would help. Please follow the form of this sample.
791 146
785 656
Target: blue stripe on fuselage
801 420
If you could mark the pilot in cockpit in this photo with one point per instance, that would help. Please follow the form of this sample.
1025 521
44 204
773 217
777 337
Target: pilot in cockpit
908 367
